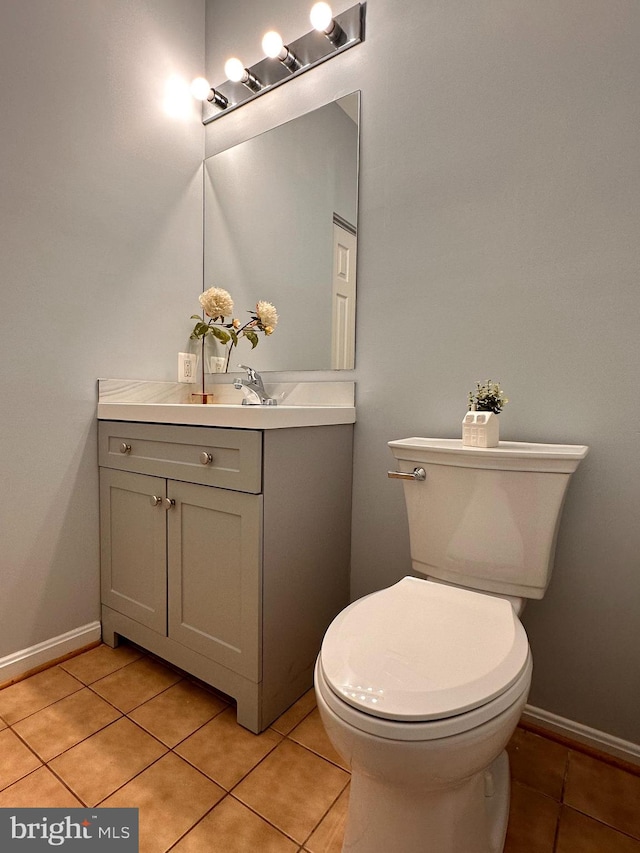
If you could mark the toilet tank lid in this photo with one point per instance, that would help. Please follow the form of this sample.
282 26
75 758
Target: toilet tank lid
507 455
423 651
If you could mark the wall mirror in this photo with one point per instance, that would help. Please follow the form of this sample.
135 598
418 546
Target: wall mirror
280 224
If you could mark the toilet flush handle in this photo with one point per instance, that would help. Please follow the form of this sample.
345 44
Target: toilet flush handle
416 474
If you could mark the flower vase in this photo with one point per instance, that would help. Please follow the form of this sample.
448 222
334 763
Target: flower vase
480 429
201 348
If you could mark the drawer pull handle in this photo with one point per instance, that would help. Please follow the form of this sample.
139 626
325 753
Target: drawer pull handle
167 503
155 500
125 448
416 474
206 458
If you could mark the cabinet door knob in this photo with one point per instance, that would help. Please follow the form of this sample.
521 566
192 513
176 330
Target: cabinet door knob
167 503
125 448
155 500
206 458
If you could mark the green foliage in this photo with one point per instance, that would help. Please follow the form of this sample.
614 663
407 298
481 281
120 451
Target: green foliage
487 398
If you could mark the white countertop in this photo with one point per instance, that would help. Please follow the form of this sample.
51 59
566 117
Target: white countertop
227 415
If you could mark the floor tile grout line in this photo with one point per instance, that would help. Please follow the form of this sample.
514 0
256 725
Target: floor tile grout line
66 784
228 795
565 775
69 748
262 817
24 743
77 743
319 754
61 779
184 677
529 787
603 822
199 821
230 791
67 672
186 737
556 831
135 776
68 787
140 704
596 754
107 674
49 704
327 811
301 720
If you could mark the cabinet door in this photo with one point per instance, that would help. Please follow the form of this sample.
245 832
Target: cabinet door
133 550
215 562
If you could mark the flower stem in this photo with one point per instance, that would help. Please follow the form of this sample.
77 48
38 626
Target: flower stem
202 362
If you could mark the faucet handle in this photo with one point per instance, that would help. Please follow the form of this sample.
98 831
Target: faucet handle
253 375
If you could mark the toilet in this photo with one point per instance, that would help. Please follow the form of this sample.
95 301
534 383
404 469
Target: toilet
420 686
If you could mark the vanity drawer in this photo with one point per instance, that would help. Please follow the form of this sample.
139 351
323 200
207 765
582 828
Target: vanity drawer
212 456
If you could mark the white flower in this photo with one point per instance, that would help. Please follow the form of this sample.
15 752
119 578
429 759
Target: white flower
216 302
267 315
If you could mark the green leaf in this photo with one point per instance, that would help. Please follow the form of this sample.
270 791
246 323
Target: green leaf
252 337
220 334
196 317
199 330
234 337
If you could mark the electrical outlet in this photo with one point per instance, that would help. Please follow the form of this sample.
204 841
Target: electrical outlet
187 366
216 364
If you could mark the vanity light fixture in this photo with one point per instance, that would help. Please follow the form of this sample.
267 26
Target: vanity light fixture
330 36
235 71
202 91
275 48
322 20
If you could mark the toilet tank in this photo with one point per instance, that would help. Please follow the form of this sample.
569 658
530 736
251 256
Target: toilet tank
486 518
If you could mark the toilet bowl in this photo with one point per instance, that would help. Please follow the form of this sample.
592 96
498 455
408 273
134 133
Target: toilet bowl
420 687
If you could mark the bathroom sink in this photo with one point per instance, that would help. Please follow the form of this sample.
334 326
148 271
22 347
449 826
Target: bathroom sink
227 414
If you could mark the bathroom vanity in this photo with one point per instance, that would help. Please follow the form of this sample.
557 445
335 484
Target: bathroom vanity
225 549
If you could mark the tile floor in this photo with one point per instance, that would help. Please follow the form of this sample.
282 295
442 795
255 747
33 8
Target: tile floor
115 727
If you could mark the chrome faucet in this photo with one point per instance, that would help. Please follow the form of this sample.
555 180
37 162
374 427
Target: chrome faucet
253 388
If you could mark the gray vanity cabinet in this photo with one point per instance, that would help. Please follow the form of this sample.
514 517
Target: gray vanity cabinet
226 551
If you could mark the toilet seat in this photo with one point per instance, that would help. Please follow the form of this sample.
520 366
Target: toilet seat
422 731
420 651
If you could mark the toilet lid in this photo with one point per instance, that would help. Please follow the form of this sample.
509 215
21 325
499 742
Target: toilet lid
423 651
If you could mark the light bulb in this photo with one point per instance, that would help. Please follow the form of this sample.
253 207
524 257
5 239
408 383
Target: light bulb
321 16
200 88
177 102
234 69
273 46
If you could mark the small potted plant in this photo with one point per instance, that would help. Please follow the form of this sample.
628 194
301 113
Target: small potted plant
480 427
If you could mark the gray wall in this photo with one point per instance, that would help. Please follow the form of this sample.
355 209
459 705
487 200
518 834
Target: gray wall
498 238
100 241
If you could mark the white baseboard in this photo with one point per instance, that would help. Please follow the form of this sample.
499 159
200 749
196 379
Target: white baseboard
593 738
17 664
